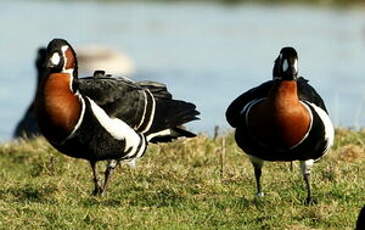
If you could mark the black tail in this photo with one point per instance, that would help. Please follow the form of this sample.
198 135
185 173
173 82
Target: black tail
172 113
170 135
169 114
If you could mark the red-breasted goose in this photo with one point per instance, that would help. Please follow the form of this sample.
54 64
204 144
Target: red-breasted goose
283 119
102 117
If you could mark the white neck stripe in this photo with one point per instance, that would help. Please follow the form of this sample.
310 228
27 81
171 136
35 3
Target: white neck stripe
81 118
64 48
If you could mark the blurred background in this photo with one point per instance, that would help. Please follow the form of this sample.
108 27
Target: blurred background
207 52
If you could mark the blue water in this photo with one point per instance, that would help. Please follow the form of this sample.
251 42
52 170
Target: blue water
206 53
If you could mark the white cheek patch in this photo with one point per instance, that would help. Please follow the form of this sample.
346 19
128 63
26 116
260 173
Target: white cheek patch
296 65
285 65
55 59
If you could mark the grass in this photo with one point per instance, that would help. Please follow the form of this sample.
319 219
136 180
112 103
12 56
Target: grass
189 184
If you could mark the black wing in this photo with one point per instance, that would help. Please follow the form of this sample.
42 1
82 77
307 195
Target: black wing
308 93
146 106
168 113
119 97
234 109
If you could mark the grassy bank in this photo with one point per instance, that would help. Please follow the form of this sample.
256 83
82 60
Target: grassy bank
192 184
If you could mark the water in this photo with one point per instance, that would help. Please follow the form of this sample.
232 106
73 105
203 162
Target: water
206 53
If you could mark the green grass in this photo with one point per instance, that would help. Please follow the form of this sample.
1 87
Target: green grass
189 184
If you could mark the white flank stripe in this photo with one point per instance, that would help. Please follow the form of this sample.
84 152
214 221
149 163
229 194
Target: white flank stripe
137 153
81 118
328 126
142 148
165 132
152 113
117 128
144 111
246 109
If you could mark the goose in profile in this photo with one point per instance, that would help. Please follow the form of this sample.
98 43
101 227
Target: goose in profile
103 117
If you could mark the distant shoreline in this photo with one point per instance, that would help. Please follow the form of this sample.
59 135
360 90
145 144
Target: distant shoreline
271 2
